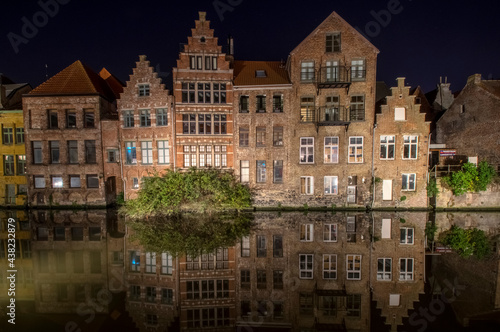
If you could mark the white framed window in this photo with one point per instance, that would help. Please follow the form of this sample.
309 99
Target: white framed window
387 147
306 232
57 181
399 114
150 262
306 185
408 181
306 263
355 149
331 185
384 269
135 183
332 71
307 150
332 42
163 152
245 246
143 90
329 266
406 235
147 152
39 181
307 71
353 267
244 171
330 233
410 147
358 70
406 269
331 153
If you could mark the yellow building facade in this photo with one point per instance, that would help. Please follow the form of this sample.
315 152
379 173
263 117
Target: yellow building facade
13 173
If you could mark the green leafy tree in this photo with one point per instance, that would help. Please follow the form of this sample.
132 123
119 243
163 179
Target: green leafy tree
470 178
203 191
468 242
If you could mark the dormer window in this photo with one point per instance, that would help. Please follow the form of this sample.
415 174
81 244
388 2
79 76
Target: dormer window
260 73
143 90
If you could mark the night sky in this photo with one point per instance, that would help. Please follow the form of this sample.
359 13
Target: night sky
420 40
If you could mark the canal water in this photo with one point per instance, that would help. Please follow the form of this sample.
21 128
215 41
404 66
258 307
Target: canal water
93 270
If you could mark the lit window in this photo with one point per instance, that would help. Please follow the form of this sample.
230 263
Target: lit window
244 171
305 266
384 269
150 262
331 185
21 164
57 181
74 181
387 147
135 261
163 152
307 150
331 150
166 263
147 153
39 181
355 149
358 70
245 246
8 165
410 147
135 183
306 185
307 71
408 182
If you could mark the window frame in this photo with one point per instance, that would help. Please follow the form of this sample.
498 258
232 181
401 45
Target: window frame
163 148
307 185
146 152
384 269
404 237
387 146
306 150
261 172
407 184
128 119
306 266
307 71
328 182
332 267
330 232
244 171
353 266
334 47
144 118
358 70
332 157
277 171
306 233
353 148
403 272
143 90
408 145
357 109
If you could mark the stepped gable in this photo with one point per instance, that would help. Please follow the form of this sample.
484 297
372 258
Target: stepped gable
76 79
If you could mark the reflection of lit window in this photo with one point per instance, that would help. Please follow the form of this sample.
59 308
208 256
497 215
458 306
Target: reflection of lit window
130 153
57 182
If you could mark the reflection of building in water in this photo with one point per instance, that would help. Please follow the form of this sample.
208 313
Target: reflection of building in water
397 264
305 273
207 291
70 261
472 284
151 280
23 261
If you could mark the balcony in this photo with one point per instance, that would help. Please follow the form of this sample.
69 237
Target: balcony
333 77
333 116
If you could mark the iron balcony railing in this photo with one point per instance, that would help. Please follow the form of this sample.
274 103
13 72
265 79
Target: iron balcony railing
329 115
334 76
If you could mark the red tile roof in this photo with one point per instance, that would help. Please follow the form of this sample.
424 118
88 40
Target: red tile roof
76 79
114 83
245 73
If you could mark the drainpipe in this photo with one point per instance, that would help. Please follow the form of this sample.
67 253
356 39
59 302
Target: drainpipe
427 164
121 163
174 138
373 164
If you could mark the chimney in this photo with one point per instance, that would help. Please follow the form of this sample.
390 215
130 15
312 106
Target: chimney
230 51
474 79
142 58
203 16
401 82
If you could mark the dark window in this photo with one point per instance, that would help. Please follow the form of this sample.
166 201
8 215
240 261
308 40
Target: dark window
245 279
278 171
21 164
244 136
143 90
37 152
145 117
243 104
90 152
161 117
77 233
94 233
277 103
89 120
73 152
261 246
261 137
20 135
53 120
54 152
95 262
70 119
8 135
278 279
92 181
261 279
278 136
59 233
8 165
277 246
261 104
128 119
333 42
